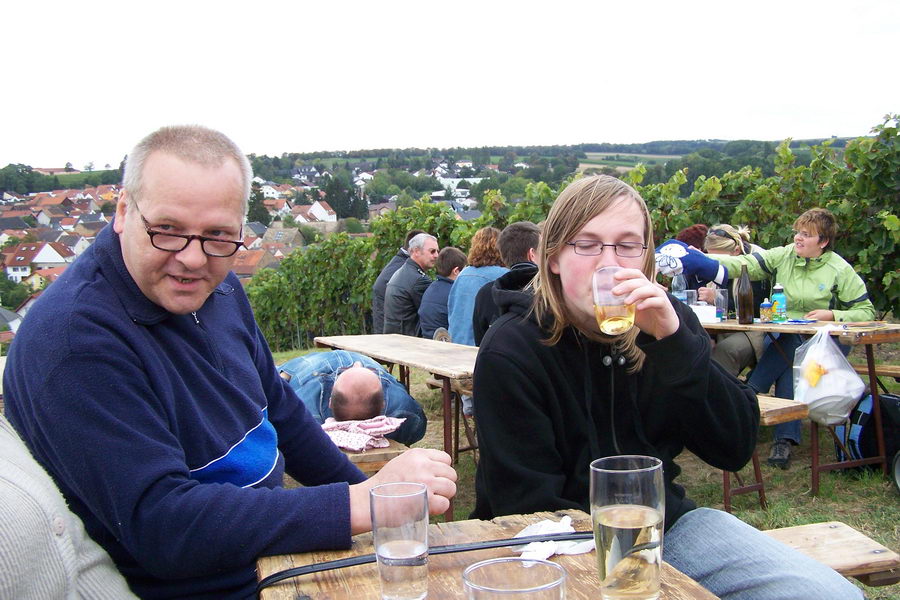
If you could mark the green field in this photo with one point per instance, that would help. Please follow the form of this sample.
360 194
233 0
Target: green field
77 180
628 161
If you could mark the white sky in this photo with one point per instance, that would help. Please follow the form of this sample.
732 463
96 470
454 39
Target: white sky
86 80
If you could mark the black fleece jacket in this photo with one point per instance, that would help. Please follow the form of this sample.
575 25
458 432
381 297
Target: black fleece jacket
543 413
487 309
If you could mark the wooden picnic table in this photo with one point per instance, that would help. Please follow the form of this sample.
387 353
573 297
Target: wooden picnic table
866 334
445 570
446 360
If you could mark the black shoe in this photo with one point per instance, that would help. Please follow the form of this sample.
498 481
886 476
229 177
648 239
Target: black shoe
780 455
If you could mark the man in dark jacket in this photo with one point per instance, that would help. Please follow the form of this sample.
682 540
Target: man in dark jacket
555 393
159 412
433 310
406 287
381 282
518 249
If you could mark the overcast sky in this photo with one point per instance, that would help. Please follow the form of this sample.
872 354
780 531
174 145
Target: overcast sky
86 80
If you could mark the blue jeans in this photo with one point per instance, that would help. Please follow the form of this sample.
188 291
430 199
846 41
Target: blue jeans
738 562
773 369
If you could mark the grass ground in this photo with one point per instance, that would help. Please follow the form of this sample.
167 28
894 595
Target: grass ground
866 501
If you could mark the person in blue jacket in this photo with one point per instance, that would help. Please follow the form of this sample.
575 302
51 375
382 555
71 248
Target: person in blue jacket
353 387
157 407
485 265
433 309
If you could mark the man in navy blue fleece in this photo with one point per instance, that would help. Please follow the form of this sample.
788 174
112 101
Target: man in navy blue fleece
158 409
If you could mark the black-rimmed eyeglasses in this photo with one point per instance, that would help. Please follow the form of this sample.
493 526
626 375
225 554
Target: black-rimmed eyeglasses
176 242
622 249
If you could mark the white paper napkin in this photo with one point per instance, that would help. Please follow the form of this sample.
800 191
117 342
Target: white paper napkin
544 550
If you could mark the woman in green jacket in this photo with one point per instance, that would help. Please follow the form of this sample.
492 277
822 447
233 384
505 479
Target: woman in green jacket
819 284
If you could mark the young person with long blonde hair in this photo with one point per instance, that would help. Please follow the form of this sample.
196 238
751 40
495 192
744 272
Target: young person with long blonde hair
554 393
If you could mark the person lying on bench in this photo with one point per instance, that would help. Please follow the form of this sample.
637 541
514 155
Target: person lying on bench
352 387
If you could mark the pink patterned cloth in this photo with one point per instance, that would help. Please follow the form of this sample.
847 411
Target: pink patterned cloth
361 435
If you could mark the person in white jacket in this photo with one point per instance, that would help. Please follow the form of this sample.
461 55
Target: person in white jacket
44 551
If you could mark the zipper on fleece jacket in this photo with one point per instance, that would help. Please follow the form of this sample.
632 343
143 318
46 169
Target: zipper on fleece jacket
610 362
215 359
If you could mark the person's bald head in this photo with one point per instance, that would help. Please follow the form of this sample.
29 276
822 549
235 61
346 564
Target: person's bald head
356 394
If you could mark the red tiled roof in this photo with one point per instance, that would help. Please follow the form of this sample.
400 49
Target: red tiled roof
246 262
302 210
51 273
28 299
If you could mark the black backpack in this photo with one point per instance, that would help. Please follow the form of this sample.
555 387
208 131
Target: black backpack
859 438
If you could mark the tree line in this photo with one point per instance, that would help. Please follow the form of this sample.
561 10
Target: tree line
326 290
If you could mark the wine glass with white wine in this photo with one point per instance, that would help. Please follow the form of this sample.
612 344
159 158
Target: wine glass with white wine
614 317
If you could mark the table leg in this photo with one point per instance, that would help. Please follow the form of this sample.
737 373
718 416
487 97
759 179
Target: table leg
876 406
446 392
814 454
404 376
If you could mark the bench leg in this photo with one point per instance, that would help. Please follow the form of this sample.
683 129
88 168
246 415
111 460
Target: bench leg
726 490
758 487
757 472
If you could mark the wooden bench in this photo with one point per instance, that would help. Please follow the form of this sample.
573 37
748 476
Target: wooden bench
880 370
844 549
370 461
772 411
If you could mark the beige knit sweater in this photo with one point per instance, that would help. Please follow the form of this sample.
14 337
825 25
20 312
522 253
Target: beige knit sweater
44 551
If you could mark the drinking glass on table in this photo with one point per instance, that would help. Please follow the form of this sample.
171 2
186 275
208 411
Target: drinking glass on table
722 303
515 577
613 316
627 510
400 530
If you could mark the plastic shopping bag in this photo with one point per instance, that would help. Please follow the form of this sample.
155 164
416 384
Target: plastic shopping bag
824 379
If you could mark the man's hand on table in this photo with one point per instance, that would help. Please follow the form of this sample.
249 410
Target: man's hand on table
420 465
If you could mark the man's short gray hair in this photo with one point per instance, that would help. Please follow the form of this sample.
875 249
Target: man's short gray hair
418 241
191 143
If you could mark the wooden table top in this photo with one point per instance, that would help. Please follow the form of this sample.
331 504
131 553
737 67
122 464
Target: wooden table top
455 361
445 570
868 332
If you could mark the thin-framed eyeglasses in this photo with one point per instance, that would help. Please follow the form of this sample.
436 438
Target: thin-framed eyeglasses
176 242
804 235
622 249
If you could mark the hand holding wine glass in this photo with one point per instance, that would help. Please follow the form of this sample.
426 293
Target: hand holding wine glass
636 301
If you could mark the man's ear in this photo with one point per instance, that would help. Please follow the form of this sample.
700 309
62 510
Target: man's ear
532 255
121 208
454 273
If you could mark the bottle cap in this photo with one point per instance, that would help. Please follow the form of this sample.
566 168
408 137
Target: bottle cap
766 301
778 287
